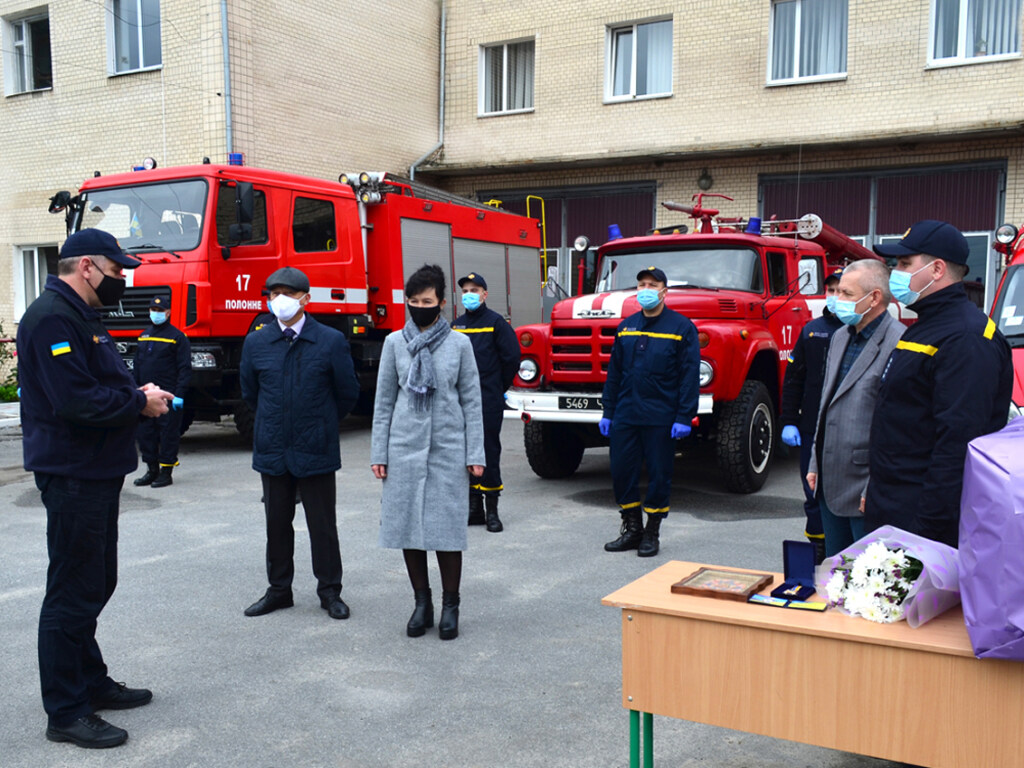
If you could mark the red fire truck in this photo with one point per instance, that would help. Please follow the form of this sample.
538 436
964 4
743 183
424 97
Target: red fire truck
748 288
1008 306
209 235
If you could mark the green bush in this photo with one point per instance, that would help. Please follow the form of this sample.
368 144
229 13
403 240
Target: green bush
8 393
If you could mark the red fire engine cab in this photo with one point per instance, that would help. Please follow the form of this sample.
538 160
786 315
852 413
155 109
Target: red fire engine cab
1008 306
209 236
748 287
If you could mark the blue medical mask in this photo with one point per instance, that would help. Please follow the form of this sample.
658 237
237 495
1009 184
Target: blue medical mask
830 303
157 318
471 301
899 285
648 298
847 312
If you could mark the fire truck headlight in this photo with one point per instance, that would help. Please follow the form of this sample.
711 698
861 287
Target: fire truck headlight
369 196
203 360
706 373
1006 234
528 369
581 244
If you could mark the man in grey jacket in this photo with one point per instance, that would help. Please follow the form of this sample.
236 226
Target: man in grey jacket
838 470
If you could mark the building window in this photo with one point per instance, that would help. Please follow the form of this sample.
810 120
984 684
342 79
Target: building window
133 35
31 266
506 77
970 29
27 65
808 40
639 60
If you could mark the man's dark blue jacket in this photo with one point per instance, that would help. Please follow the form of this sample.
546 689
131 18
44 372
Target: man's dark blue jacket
805 373
164 357
299 391
948 381
654 371
79 404
496 350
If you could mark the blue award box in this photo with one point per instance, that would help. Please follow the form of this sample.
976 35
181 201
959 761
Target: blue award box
798 565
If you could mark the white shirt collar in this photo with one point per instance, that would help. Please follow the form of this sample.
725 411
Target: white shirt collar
297 327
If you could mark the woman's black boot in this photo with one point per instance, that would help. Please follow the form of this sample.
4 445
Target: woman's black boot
422 617
448 626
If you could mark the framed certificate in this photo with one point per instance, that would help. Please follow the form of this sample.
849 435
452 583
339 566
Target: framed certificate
717 582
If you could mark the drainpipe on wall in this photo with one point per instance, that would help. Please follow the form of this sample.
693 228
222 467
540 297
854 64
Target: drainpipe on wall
440 106
228 138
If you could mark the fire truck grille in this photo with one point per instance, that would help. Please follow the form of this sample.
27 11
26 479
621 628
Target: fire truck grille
132 312
728 305
571 331
567 366
571 349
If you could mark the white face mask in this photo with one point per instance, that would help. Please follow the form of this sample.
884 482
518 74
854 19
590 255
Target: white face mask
284 307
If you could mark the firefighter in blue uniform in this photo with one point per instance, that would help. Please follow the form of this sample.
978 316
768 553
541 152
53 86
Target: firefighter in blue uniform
79 410
497 359
650 400
801 396
947 382
164 357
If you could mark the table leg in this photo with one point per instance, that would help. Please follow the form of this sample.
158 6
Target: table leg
648 740
634 739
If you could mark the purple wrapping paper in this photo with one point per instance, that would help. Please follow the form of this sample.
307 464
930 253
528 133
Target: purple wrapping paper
992 543
936 590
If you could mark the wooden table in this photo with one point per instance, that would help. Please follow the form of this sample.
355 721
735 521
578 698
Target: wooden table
885 690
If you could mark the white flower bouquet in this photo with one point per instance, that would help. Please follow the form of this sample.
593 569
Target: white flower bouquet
890 575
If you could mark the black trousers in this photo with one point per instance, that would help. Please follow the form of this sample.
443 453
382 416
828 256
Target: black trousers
159 439
81 540
631 447
318 500
489 484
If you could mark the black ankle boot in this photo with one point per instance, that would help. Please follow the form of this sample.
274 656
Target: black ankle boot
422 617
493 523
151 474
448 626
164 478
632 531
476 509
649 542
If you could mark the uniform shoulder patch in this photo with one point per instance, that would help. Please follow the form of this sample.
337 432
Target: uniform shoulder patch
61 348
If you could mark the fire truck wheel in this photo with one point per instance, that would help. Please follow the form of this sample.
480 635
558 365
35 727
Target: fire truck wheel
746 438
245 420
553 450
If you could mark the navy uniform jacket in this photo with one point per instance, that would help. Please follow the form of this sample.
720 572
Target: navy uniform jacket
299 390
947 382
805 373
497 353
164 357
654 371
79 404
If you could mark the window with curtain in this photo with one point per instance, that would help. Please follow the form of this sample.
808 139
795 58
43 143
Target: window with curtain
808 39
27 65
639 60
969 29
33 264
506 77
133 35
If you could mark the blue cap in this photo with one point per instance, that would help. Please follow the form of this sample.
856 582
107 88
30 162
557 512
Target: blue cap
834 277
475 278
96 242
654 272
932 238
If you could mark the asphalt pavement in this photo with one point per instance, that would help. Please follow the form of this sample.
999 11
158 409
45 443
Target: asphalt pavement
532 680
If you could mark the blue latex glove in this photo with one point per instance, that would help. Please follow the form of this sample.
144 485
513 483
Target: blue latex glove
604 425
791 435
680 430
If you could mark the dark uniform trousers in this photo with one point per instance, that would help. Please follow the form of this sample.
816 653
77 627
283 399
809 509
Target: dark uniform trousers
489 483
631 447
159 439
81 538
318 499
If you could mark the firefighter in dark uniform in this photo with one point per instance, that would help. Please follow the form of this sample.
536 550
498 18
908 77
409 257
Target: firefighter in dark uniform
497 359
947 382
164 357
650 400
79 410
801 396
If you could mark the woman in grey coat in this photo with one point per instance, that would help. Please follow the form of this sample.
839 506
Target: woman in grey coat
427 431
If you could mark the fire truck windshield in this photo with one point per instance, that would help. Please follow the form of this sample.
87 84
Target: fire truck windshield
149 217
737 269
1009 310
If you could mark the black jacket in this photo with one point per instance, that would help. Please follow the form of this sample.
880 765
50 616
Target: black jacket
947 382
79 404
805 373
496 349
164 357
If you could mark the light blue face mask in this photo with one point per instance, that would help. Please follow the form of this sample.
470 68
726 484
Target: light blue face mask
847 312
899 285
471 301
648 298
830 303
157 318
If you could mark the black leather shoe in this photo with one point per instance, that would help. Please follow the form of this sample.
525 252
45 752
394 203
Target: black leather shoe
91 732
164 478
335 607
422 617
151 474
476 509
493 521
123 697
270 602
631 533
649 543
448 625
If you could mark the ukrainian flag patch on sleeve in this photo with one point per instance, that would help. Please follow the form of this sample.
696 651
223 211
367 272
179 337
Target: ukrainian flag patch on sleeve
60 349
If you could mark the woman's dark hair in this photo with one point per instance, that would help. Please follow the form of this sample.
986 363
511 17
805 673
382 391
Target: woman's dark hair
426 277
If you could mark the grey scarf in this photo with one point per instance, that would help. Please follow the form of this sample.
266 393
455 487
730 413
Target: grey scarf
421 344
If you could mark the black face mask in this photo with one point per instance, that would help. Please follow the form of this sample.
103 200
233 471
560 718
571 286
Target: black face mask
424 316
110 290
